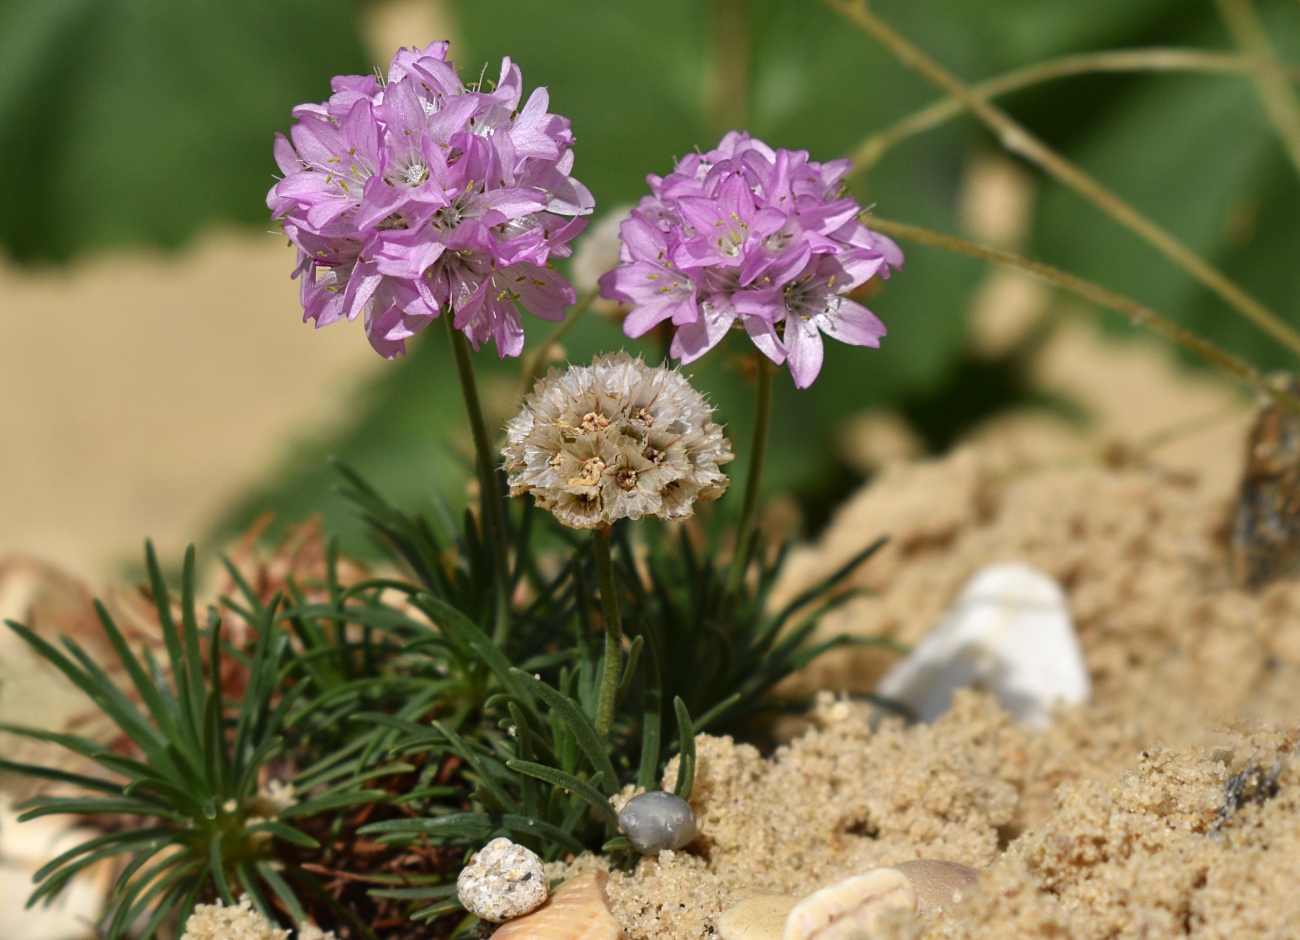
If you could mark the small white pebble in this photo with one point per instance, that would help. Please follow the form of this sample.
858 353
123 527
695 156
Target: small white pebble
502 880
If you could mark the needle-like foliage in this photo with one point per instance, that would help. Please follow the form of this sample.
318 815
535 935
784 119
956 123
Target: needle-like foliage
181 795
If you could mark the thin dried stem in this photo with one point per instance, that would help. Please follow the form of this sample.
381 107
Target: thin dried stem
1018 140
875 146
1277 95
535 361
1141 315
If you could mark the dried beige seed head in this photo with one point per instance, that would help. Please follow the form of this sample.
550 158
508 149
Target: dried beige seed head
241 922
613 440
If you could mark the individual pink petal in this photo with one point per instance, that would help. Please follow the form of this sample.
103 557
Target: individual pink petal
804 352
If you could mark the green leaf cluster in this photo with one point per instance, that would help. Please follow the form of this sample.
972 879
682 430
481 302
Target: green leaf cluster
389 701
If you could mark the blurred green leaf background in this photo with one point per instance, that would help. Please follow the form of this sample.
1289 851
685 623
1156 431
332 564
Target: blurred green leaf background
143 121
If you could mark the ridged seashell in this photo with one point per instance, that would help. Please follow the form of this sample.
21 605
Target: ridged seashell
576 910
851 909
759 917
938 883
1010 633
503 880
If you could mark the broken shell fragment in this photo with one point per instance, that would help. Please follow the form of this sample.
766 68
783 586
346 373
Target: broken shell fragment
852 909
759 917
938 884
1010 633
578 910
657 820
501 881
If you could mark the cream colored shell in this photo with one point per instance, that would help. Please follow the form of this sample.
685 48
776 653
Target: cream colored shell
577 910
851 909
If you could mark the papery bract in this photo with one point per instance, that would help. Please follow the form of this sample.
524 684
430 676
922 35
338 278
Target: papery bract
418 194
615 440
748 235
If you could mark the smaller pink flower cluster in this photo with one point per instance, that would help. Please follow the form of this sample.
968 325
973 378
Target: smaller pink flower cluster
748 234
415 194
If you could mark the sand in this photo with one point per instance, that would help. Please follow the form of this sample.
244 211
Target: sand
1166 807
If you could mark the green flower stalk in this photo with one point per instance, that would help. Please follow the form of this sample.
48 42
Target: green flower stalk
615 440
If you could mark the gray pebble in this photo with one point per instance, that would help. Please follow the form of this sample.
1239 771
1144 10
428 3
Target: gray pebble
657 820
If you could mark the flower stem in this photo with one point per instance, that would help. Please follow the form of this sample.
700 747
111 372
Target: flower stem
609 677
1143 316
1017 139
1275 92
493 510
757 456
535 361
875 146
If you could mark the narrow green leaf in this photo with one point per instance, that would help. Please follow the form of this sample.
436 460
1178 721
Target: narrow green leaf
283 892
584 732
686 765
323 804
633 657
486 778
61 776
434 911
578 787
217 865
830 581
427 893
475 826
78 805
287 833
617 844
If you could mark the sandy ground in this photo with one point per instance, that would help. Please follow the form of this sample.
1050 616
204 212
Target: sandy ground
1166 806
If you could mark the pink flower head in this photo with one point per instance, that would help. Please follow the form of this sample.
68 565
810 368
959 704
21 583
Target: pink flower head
417 194
750 236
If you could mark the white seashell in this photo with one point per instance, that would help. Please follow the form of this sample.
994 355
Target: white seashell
851 909
1010 633
758 917
937 883
502 880
578 910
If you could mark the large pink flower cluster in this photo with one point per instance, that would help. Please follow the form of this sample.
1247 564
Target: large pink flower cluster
748 234
417 194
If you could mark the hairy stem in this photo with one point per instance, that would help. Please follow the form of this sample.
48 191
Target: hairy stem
535 361
1277 95
1018 140
875 146
754 482
609 675
1143 316
493 510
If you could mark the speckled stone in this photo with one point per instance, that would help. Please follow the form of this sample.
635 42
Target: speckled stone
501 881
657 820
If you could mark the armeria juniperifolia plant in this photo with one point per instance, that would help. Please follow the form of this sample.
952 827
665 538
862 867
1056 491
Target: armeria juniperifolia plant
748 234
417 194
